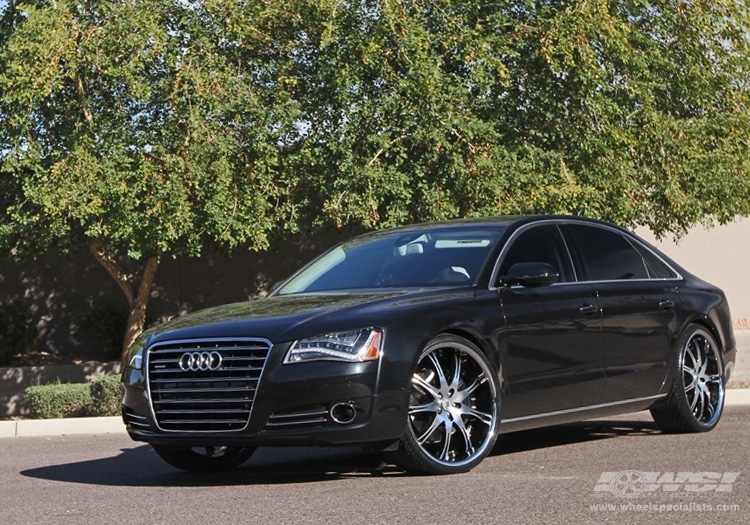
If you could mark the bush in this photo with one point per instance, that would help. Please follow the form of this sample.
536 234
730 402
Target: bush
59 400
18 329
106 395
101 397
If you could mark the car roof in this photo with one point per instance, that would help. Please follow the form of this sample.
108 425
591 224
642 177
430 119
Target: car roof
489 222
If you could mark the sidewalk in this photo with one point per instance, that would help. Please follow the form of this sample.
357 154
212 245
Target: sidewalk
114 425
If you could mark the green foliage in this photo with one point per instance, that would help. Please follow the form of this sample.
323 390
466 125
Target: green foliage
106 396
101 397
18 329
107 325
635 112
58 400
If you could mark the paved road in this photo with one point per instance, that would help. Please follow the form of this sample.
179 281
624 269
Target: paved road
612 470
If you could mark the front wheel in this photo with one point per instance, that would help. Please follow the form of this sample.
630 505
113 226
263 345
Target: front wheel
696 397
453 409
204 459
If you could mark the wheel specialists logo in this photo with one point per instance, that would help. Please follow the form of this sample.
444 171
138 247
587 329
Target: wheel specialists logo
633 483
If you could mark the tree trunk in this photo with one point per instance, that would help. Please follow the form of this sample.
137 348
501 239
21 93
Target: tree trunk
137 298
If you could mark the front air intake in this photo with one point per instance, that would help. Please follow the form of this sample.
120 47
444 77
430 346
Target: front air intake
205 385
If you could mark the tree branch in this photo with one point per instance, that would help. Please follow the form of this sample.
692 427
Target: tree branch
116 271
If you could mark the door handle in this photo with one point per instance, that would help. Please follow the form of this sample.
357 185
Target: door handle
666 304
588 309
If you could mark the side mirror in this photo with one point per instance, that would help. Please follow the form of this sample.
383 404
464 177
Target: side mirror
530 275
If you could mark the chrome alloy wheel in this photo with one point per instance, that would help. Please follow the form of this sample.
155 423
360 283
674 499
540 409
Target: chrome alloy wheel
695 399
703 379
453 408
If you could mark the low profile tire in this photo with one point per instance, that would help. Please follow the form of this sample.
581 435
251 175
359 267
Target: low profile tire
454 409
696 397
204 459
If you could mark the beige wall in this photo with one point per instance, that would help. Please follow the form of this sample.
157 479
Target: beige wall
718 255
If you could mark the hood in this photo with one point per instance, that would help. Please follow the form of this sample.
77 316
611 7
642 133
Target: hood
276 318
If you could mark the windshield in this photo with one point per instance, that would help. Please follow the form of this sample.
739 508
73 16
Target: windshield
448 257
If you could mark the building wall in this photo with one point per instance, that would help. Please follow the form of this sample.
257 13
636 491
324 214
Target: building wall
719 255
60 291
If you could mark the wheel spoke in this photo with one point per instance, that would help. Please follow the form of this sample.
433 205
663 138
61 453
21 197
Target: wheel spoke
455 382
484 417
699 405
693 379
466 392
709 407
433 427
694 359
425 387
432 407
444 455
694 400
439 369
466 434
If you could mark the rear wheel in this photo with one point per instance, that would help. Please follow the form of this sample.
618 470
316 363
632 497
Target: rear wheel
696 397
204 459
453 409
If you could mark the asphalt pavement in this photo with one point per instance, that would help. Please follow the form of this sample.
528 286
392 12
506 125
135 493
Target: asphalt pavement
112 425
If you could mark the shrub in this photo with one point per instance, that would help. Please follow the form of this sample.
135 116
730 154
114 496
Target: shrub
101 397
59 400
18 329
106 395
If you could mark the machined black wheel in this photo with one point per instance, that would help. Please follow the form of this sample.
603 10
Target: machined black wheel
453 409
696 398
204 459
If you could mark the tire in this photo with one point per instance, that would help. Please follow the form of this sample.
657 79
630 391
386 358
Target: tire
696 397
454 409
204 459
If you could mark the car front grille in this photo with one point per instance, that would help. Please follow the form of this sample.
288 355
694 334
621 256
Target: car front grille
311 417
134 421
213 391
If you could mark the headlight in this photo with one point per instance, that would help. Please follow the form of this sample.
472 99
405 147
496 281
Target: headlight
354 346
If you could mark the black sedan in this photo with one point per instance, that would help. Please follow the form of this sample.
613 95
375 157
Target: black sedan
427 342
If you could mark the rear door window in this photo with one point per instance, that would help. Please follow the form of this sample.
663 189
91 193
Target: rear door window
608 255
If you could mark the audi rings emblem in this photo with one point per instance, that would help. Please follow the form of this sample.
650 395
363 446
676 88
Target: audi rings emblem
200 361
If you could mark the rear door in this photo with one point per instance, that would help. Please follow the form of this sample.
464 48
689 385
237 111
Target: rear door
638 311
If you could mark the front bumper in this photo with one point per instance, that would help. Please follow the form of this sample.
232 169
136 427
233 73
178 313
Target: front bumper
315 403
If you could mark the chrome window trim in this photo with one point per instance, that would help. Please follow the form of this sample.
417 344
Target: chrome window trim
629 237
496 268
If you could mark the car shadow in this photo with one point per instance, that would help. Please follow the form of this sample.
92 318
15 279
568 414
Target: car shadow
141 467
570 433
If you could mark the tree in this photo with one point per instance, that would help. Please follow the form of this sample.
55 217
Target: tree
134 130
631 111
141 129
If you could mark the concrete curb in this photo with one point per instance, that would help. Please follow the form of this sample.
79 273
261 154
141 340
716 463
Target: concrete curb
61 427
114 425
